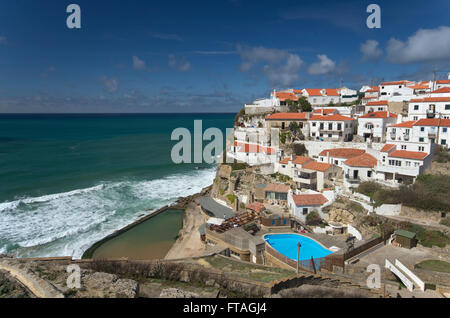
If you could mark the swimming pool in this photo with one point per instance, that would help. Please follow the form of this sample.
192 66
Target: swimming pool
286 244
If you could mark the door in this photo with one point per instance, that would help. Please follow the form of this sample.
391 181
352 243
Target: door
355 174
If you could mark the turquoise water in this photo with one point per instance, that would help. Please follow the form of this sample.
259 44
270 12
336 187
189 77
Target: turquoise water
67 181
286 244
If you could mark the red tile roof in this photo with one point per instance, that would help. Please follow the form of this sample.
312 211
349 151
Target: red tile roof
331 92
272 187
408 154
252 148
287 116
342 152
443 81
314 91
378 103
365 160
333 117
285 160
387 147
395 83
406 124
441 90
325 111
379 115
420 86
373 90
255 206
430 99
309 199
442 122
317 166
299 160
283 96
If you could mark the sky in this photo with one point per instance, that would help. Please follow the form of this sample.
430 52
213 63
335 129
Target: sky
207 56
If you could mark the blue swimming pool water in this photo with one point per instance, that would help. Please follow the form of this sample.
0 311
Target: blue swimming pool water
286 244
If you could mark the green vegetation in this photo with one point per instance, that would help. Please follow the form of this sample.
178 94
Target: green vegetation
302 105
281 177
238 165
299 149
427 238
284 135
238 115
313 218
354 206
231 197
434 265
441 155
429 192
445 222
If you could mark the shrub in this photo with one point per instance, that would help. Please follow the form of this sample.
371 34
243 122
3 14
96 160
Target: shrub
299 149
231 198
313 218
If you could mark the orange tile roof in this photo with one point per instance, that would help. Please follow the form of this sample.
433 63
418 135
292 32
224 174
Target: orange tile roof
298 91
287 116
342 152
406 124
252 148
299 160
408 154
317 166
309 199
443 81
430 99
379 115
442 122
331 92
365 160
378 103
333 117
395 83
255 206
314 91
272 187
373 90
441 90
420 86
325 111
387 147
283 96
285 161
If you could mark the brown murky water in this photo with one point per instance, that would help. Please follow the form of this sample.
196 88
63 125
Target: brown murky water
151 239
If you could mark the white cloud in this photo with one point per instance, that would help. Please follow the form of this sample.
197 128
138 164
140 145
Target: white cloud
370 50
280 67
138 64
425 45
179 64
111 84
324 65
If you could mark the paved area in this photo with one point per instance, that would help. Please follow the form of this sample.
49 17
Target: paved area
408 257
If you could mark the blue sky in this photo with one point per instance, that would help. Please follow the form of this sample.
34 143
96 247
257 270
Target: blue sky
207 56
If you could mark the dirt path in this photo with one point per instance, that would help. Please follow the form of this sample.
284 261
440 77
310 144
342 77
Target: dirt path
189 244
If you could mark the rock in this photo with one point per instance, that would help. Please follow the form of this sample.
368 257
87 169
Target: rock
340 216
177 293
111 285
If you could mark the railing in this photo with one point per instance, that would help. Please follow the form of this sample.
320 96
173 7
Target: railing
352 179
406 137
310 265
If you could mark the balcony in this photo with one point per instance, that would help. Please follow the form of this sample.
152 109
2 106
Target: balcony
432 134
405 137
392 135
351 179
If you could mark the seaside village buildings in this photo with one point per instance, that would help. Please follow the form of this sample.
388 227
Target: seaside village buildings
385 134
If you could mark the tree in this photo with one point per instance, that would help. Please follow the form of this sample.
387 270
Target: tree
299 149
293 127
313 218
293 106
305 106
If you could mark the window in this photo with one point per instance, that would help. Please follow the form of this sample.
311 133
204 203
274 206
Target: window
447 107
416 107
421 139
321 126
339 127
403 147
335 162
421 148
284 166
444 130
314 124
443 142
408 163
330 135
422 128
369 174
305 211
384 158
416 118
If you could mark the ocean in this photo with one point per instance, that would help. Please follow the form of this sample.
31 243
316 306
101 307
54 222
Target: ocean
67 181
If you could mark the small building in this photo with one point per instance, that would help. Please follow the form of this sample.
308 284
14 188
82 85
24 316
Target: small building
405 238
276 193
214 209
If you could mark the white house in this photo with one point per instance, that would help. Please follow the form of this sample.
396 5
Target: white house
373 125
338 156
347 95
397 90
407 136
429 107
359 169
376 106
441 92
443 83
302 204
253 154
333 127
321 96
431 130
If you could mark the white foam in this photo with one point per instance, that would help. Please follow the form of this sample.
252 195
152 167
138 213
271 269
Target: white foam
66 224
